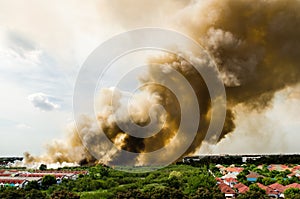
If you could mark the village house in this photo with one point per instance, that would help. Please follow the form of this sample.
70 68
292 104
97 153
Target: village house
227 190
241 188
234 170
252 176
269 191
19 182
278 167
229 179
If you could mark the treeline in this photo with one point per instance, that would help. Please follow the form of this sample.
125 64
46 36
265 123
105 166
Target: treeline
10 159
239 159
276 159
4 161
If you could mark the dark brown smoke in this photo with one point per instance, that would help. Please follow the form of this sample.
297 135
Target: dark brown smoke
256 48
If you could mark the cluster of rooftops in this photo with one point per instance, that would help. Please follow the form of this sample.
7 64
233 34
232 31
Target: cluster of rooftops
231 187
20 178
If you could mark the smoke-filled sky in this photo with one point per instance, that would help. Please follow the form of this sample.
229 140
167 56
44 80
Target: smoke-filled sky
44 43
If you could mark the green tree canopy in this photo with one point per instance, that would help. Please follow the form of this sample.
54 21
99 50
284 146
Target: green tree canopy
292 193
48 180
43 167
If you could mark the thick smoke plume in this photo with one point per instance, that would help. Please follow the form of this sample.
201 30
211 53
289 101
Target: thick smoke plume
256 48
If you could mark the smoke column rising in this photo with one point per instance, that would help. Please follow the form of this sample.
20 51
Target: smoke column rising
256 48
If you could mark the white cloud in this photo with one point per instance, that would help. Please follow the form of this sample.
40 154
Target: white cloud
23 126
43 102
18 48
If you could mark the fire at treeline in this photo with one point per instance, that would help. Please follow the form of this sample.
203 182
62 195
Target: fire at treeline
7 162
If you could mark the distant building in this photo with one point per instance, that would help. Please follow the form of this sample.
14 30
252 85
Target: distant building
245 158
278 167
19 182
19 178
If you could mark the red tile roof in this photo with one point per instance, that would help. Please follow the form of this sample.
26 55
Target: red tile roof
295 168
267 189
278 187
294 185
62 171
14 171
241 188
11 181
56 175
5 174
231 180
278 167
219 180
234 169
226 189
239 185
